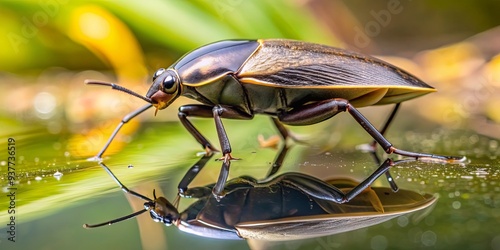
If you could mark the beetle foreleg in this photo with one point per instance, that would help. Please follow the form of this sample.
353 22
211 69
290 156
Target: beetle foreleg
197 111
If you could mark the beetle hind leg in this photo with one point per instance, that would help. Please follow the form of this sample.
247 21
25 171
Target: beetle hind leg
320 111
326 191
372 146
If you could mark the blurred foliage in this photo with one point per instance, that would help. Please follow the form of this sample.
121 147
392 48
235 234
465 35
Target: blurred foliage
43 33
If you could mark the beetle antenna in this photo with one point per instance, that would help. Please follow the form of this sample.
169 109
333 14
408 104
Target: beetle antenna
107 223
119 88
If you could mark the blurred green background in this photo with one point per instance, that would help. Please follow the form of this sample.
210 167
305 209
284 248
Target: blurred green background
49 47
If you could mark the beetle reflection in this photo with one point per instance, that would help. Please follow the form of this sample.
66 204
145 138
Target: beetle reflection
288 206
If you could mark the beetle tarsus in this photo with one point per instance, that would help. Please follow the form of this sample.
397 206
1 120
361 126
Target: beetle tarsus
430 157
228 157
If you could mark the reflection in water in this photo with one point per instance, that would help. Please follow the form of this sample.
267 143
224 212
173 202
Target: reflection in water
285 207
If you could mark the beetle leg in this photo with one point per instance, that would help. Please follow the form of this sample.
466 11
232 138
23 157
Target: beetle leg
197 111
373 150
391 181
317 112
387 146
207 112
225 112
372 147
283 131
218 189
387 123
321 190
285 134
218 112
125 119
197 192
278 161
191 174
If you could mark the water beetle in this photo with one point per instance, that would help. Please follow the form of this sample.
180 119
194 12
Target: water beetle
286 207
294 82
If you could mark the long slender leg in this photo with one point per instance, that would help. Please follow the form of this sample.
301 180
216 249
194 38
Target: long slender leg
372 147
320 111
192 173
388 122
283 131
125 119
368 181
285 134
322 190
198 111
205 111
278 161
391 181
218 189
217 112
387 146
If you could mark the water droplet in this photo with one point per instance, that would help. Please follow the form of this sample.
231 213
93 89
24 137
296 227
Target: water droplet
58 175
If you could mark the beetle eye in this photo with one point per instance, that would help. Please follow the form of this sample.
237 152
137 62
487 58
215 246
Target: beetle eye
169 84
158 73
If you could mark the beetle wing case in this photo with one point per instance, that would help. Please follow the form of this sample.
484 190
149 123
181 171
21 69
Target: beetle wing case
325 70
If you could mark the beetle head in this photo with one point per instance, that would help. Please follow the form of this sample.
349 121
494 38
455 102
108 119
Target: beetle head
165 88
161 210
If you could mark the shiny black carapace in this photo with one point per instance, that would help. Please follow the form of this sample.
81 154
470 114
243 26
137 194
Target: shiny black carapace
294 82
